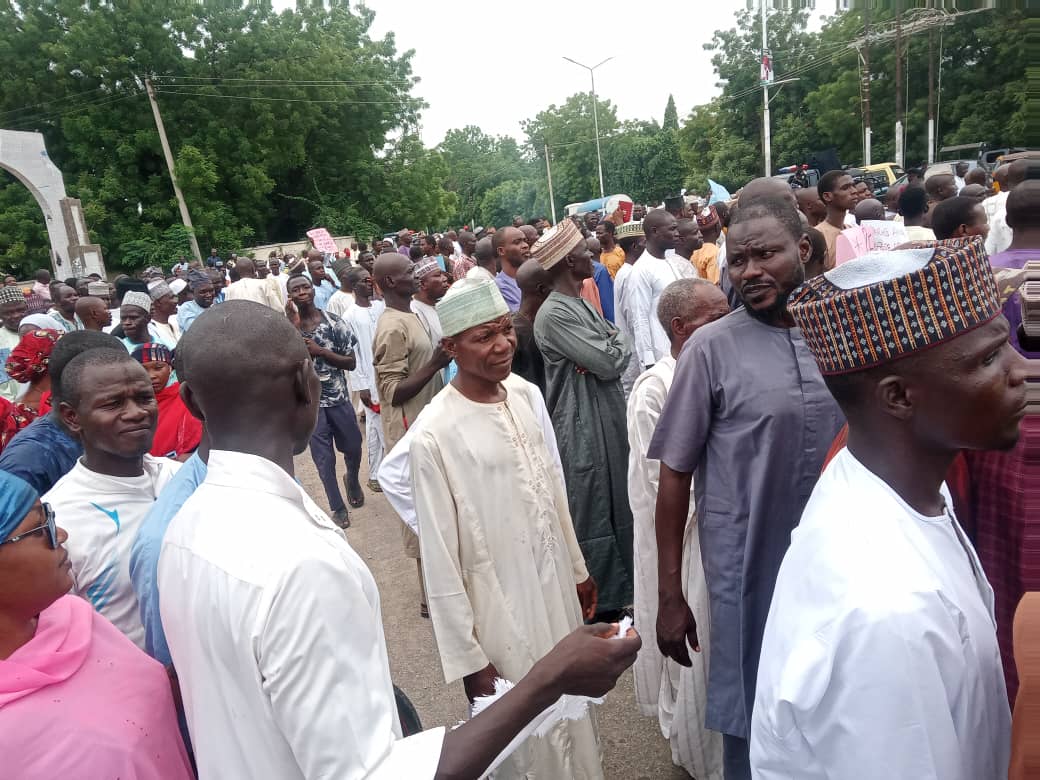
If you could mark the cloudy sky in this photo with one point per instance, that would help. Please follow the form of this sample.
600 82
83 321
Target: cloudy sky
493 63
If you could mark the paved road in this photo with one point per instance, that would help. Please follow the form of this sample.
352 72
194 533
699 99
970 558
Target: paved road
633 748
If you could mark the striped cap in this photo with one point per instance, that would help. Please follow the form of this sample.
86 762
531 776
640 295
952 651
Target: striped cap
12 294
556 243
886 305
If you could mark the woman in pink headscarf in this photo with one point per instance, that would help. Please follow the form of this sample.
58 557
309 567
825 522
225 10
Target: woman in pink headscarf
77 698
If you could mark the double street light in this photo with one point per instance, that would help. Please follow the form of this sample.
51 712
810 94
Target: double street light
595 115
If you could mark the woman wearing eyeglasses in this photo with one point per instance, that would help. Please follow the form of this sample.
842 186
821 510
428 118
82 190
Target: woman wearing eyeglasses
77 698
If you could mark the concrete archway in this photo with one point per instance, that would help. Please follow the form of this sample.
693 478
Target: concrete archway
25 157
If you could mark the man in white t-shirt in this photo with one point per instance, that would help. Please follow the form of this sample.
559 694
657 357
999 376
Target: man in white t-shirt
107 401
879 657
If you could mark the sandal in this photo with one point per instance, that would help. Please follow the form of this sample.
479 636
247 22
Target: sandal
355 495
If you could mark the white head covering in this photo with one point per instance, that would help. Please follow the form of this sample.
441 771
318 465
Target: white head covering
137 298
469 302
42 321
177 286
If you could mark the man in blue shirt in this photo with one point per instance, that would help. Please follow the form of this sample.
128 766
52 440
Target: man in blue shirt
512 250
144 553
204 292
323 286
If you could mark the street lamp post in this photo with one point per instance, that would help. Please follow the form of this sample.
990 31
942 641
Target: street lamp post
595 115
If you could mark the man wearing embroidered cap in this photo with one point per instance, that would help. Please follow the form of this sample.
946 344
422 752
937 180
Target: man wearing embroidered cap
880 657
164 327
12 309
584 358
505 577
632 240
135 315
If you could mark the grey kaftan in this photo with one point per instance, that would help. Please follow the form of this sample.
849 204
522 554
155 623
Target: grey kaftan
584 359
749 413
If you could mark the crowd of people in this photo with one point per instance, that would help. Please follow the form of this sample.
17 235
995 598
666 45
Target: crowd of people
790 435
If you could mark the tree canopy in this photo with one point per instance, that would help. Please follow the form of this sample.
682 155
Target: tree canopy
283 121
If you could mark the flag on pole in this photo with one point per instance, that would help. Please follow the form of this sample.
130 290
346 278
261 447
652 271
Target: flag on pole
718 192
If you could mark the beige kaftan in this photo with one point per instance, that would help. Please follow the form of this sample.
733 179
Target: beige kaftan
499 553
675 695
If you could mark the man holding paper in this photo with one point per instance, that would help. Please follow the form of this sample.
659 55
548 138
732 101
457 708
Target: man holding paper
505 577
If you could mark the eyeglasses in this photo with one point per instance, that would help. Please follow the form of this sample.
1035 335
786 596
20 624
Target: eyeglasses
48 528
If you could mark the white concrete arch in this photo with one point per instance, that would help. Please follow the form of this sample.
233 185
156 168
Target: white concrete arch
24 155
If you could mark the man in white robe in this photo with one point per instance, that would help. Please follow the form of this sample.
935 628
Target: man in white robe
505 577
274 621
675 695
880 657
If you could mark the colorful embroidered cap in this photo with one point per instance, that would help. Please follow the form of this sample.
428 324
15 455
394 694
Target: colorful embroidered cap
151 352
556 243
425 267
886 305
707 218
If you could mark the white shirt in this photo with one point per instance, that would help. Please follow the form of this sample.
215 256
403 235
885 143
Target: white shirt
1000 234
102 514
430 321
362 322
274 625
623 319
476 272
340 303
255 290
880 655
650 275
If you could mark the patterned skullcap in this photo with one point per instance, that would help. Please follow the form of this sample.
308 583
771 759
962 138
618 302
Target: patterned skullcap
159 289
470 302
31 355
197 279
629 230
425 267
98 288
707 218
886 305
556 243
11 294
139 299
151 352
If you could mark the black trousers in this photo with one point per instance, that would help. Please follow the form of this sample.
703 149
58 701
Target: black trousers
337 425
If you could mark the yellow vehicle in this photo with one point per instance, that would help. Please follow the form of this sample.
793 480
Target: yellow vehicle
891 170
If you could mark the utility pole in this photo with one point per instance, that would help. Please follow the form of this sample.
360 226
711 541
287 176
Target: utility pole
767 153
548 174
185 216
595 116
864 81
931 96
899 83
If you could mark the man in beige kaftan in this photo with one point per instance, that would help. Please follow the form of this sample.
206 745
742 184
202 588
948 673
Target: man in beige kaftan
505 576
674 694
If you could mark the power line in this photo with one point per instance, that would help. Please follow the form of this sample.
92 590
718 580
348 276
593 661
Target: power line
66 98
398 101
26 123
279 82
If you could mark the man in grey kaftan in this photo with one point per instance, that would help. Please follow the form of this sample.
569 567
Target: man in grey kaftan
584 359
748 412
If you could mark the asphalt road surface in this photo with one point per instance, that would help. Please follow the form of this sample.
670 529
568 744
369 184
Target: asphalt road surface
633 748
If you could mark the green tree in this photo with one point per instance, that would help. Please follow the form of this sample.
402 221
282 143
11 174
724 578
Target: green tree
569 131
264 109
671 116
